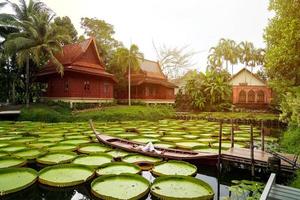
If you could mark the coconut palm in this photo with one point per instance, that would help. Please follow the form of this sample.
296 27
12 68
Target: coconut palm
247 51
130 60
35 38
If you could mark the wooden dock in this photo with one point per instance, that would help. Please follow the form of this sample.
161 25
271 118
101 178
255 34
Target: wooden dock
243 156
9 114
275 191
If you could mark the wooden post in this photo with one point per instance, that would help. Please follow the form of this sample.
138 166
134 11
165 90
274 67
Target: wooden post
251 150
220 145
262 134
232 134
219 157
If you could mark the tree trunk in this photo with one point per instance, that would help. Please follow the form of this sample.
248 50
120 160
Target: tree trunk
129 85
13 92
27 82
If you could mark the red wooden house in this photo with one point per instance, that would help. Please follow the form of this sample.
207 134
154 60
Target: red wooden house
250 91
84 79
150 85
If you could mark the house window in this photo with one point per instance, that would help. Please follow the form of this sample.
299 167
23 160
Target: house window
66 86
260 96
251 96
86 85
242 97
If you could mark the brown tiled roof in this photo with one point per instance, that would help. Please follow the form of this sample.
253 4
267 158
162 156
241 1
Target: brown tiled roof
76 58
150 72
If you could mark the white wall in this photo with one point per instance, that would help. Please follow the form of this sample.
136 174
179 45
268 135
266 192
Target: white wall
246 77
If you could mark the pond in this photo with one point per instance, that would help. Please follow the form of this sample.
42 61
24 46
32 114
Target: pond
18 139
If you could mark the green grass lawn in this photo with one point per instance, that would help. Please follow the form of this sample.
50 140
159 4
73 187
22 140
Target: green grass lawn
61 113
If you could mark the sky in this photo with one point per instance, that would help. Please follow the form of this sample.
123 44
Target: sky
174 23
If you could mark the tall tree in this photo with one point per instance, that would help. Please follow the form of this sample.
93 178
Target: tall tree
128 60
64 26
174 61
282 36
247 52
35 39
225 51
103 33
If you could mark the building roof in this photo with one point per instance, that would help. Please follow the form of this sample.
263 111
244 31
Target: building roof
150 72
80 57
254 79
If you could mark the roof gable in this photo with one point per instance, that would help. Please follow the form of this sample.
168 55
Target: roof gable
151 69
83 54
245 77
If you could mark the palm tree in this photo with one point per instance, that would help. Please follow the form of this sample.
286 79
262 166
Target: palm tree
130 60
35 38
247 54
233 54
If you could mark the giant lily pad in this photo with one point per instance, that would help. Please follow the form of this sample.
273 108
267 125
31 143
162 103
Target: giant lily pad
29 153
136 158
118 168
8 161
56 158
174 167
16 179
181 187
190 144
125 186
76 141
65 175
62 147
93 148
116 153
13 148
93 160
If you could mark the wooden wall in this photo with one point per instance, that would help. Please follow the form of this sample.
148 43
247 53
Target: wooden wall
79 85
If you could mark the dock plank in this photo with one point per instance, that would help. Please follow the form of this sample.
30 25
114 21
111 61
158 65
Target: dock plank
260 157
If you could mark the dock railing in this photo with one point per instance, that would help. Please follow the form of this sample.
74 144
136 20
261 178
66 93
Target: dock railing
268 187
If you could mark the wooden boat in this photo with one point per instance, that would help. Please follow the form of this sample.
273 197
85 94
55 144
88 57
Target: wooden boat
166 153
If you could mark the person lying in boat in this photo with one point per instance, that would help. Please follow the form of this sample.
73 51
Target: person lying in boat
148 148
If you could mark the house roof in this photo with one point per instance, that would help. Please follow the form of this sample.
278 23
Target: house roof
247 71
80 57
150 72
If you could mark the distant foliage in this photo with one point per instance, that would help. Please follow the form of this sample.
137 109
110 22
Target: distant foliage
64 26
227 52
104 35
209 91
